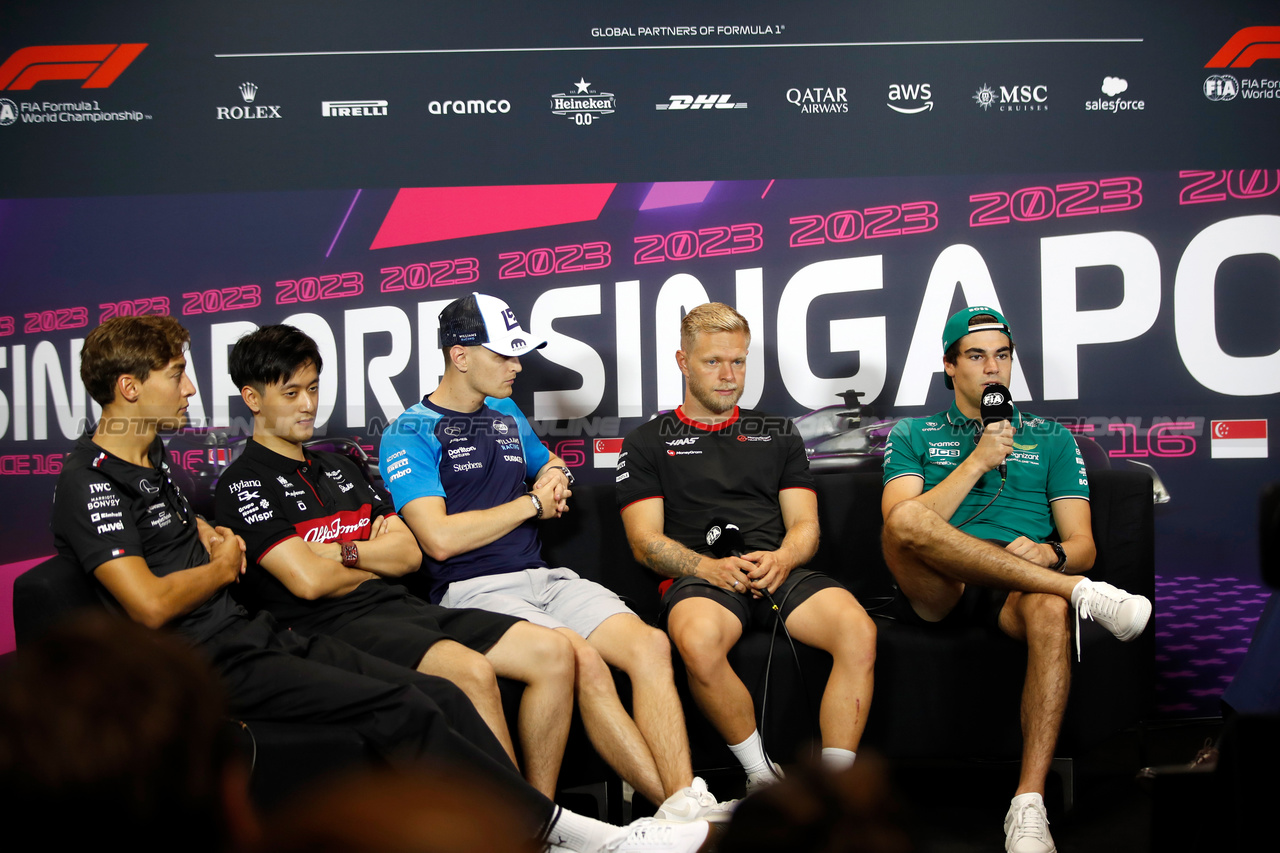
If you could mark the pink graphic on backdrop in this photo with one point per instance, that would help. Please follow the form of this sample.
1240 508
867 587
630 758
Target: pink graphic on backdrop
673 193
428 214
8 573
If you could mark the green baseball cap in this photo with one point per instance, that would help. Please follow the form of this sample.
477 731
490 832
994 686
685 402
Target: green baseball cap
958 326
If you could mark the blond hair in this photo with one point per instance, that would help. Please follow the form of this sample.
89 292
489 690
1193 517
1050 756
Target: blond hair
710 318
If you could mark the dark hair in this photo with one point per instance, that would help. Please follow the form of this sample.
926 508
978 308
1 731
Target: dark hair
128 345
110 732
271 355
461 319
953 351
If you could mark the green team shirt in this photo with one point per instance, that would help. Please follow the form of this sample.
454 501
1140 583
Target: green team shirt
1045 466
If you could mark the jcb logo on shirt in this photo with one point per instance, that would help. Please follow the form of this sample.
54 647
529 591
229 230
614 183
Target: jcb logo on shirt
944 451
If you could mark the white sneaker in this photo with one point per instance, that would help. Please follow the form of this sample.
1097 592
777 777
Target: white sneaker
1122 613
658 836
762 779
693 803
1026 826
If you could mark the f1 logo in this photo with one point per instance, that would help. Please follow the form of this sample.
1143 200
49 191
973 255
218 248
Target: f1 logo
98 65
1247 47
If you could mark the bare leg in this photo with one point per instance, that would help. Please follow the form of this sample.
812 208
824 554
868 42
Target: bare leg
703 632
932 561
609 728
834 621
474 676
543 660
1041 621
644 654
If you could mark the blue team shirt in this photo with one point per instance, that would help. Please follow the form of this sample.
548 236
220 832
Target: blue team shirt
474 460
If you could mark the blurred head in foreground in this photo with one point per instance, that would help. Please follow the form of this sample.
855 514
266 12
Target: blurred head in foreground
110 732
816 811
400 811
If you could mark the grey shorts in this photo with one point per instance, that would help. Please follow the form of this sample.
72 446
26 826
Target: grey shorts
555 598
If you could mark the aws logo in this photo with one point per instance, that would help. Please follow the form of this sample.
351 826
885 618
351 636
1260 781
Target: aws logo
98 65
917 98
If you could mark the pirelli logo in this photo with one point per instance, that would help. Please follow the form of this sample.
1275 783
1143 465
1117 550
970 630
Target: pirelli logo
98 65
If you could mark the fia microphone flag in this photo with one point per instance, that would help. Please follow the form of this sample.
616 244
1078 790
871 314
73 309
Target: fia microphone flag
1238 439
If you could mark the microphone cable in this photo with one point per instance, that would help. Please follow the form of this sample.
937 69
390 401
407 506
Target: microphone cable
815 733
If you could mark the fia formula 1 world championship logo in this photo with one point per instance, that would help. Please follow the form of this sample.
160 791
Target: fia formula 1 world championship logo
98 65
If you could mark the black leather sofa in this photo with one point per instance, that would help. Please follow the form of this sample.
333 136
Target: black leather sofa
938 695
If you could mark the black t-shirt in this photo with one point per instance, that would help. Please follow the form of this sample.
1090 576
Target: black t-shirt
267 498
105 508
733 471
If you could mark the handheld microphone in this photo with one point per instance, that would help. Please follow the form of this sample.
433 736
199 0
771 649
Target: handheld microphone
725 539
995 405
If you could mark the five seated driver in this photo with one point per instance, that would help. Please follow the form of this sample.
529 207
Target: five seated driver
457 464
710 460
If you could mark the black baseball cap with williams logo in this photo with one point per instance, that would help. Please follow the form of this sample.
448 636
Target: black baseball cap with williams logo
485 321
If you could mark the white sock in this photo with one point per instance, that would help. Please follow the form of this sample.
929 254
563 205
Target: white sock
750 754
834 758
580 833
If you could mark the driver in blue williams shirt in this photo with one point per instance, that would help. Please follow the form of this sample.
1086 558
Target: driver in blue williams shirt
457 465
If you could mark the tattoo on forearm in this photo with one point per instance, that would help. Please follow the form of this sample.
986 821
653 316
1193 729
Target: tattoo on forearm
670 558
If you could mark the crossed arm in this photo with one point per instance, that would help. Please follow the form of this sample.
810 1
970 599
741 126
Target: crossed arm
155 601
753 572
443 535
314 570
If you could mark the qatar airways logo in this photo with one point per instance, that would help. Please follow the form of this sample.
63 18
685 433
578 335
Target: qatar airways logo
820 99
341 527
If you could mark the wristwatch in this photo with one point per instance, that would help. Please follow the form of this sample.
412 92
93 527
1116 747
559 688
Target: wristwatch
350 554
567 473
1061 565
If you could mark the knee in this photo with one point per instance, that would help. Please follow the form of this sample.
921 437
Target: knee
473 672
904 525
592 671
702 645
855 634
649 654
1047 617
552 655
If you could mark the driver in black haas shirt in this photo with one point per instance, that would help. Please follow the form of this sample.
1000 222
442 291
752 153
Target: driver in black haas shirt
321 542
710 461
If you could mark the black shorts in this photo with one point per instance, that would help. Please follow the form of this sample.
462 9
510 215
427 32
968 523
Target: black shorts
978 605
751 612
402 631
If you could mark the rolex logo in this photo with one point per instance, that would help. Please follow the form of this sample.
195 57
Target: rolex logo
249 91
